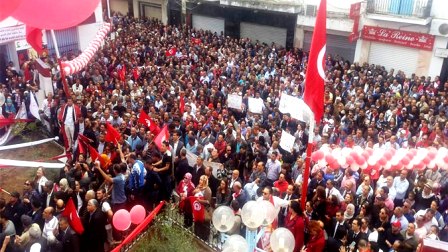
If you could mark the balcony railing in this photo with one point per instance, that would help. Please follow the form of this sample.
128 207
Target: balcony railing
400 8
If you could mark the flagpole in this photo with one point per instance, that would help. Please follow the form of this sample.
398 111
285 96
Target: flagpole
306 173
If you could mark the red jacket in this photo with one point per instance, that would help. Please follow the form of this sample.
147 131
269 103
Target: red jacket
317 243
61 115
297 228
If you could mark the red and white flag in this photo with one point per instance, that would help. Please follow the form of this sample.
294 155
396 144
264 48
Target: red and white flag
197 208
164 135
171 52
315 73
146 120
73 217
112 135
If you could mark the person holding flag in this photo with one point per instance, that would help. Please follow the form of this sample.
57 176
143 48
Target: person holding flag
164 168
200 204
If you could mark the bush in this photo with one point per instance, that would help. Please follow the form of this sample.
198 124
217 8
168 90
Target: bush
166 236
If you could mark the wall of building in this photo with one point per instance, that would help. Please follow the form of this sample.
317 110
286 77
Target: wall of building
162 3
119 6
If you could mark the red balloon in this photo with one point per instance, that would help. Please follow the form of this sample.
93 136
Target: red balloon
388 155
382 161
334 165
138 214
445 159
317 155
350 160
369 151
432 153
405 160
360 160
54 14
330 159
366 155
426 161
8 7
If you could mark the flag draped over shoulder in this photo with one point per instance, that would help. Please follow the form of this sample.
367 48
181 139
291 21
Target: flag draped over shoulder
315 73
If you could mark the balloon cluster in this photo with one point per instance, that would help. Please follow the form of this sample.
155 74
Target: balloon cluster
74 66
122 219
391 159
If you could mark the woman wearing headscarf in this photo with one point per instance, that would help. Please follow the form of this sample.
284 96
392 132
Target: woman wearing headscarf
185 187
203 195
349 213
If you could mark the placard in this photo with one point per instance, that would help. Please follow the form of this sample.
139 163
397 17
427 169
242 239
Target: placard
255 105
192 158
12 33
234 101
287 141
296 107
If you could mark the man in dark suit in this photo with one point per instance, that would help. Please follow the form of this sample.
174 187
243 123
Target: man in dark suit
355 234
338 225
182 166
176 146
47 196
213 182
318 180
94 234
288 195
67 240
198 171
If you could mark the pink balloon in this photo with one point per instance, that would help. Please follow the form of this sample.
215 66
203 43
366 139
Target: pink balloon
445 159
382 161
330 159
405 160
432 153
317 155
426 161
388 155
8 7
350 160
121 220
138 214
366 155
360 161
54 14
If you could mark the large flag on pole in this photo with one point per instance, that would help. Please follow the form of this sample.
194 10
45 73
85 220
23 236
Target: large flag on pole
315 73
34 107
314 86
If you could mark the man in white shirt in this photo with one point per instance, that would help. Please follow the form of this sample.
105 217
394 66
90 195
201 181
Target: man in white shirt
331 190
51 223
77 88
276 201
401 185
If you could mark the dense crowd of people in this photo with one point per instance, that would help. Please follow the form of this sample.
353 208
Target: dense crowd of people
346 210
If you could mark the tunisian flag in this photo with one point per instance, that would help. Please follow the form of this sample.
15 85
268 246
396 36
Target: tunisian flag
146 120
163 135
171 52
34 38
197 208
73 217
315 73
182 104
112 134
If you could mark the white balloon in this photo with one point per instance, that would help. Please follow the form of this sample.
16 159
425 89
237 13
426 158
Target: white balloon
251 215
235 243
322 163
223 218
269 212
282 240
345 151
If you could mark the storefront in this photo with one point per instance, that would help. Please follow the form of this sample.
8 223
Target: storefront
336 45
205 23
410 52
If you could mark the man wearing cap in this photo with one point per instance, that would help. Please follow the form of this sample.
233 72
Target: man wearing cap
392 234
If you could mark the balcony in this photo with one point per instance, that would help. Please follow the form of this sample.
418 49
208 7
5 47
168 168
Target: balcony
406 11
